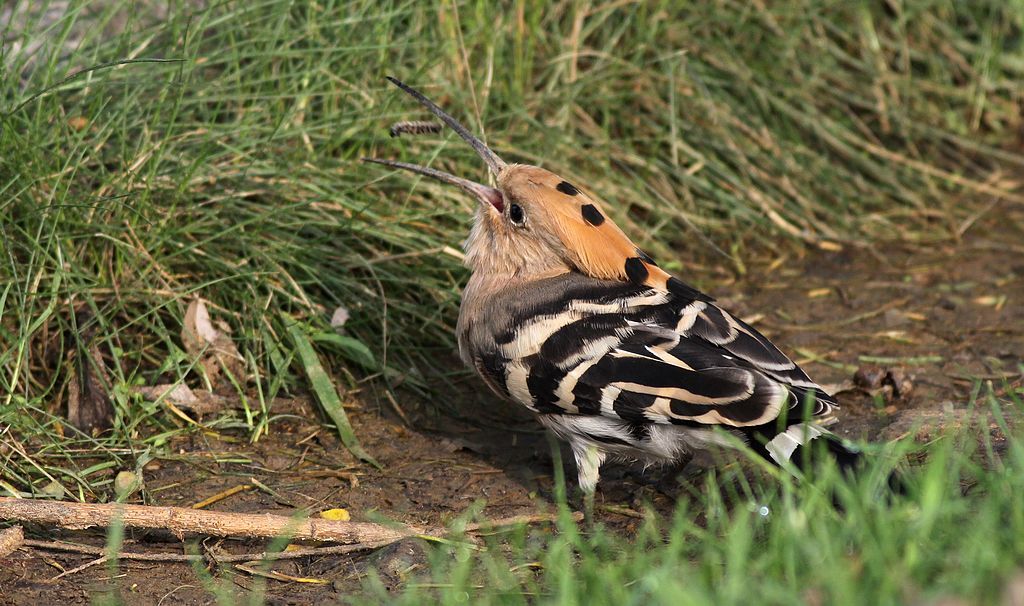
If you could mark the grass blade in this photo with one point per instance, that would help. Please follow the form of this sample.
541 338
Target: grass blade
326 393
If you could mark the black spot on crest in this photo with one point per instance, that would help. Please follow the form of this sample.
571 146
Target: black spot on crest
636 271
591 214
567 188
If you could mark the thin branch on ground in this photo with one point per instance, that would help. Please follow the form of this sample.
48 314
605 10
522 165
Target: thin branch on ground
76 569
180 520
358 536
228 558
538 518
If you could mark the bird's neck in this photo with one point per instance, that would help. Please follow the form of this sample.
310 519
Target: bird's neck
497 255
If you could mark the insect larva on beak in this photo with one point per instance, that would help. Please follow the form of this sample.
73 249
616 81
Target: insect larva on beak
414 127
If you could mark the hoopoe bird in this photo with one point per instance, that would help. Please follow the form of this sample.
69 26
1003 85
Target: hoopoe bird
566 316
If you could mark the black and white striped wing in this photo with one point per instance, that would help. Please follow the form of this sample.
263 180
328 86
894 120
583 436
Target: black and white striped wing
672 361
718 327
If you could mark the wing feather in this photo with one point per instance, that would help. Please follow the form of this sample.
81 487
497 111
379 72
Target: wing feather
688 383
721 328
646 356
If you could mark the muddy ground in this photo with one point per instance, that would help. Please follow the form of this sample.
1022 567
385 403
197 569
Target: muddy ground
935 318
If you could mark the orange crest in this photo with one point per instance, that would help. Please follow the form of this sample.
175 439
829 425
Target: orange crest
592 241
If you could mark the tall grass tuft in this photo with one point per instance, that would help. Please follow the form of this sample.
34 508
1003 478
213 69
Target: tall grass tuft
152 153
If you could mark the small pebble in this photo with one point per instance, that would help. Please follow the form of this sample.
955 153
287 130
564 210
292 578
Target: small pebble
126 483
54 489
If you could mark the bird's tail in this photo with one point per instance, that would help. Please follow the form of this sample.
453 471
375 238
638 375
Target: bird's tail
793 445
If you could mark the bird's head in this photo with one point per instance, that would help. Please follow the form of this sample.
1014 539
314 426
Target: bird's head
535 223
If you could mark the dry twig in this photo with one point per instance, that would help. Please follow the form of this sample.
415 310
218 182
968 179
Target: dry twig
100 560
291 554
180 520
358 536
517 520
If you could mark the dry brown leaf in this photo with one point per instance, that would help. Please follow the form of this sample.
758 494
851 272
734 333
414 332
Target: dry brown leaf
212 345
199 401
89 406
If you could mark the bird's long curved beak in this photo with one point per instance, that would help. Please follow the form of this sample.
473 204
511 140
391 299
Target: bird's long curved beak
483 193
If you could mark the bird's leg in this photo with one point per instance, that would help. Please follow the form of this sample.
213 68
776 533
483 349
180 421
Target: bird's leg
588 510
588 467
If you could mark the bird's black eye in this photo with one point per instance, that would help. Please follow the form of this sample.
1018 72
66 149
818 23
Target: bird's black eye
516 214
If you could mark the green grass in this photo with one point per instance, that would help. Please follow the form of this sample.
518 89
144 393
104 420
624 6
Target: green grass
957 534
149 158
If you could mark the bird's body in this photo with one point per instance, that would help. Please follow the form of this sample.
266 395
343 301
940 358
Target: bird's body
627 370
565 315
